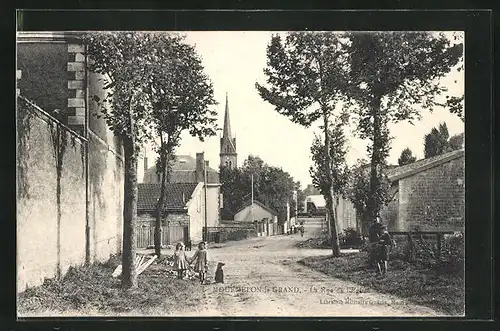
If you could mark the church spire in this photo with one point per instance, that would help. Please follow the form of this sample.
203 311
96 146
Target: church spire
228 154
227 124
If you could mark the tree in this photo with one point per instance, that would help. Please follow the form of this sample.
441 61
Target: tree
358 192
406 157
339 167
436 142
272 186
305 79
124 60
181 98
456 141
393 75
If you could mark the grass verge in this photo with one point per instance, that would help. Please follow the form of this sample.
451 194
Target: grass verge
91 289
442 292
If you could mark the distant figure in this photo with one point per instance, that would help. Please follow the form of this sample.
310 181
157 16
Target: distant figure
201 258
302 230
180 261
382 252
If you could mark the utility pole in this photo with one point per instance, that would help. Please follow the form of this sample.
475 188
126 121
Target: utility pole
251 205
205 193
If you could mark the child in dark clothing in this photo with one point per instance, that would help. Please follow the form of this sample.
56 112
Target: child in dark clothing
382 253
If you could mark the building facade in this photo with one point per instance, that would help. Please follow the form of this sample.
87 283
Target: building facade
430 194
186 170
264 218
183 219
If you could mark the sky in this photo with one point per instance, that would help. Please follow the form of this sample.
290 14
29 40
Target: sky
234 61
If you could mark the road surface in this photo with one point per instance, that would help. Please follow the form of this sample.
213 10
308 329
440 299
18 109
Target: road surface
263 278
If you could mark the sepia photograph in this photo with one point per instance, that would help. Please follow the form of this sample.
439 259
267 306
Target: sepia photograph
240 173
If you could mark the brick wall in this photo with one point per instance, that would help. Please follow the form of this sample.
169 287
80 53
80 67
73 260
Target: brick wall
434 199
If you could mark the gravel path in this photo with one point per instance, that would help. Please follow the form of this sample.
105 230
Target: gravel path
263 278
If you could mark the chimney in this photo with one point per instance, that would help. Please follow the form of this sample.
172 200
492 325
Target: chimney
145 164
200 159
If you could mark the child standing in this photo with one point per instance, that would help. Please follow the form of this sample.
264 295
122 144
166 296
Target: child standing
201 258
382 255
180 260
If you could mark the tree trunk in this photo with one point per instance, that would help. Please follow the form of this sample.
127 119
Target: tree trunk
161 200
373 205
129 275
330 195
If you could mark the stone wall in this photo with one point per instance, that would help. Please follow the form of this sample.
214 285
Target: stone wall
434 199
50 197
106 180
346 215
52 72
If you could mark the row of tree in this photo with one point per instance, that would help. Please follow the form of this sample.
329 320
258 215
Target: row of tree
155 89
374 77
271 185
436 142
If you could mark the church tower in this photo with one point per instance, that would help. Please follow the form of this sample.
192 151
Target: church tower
228 155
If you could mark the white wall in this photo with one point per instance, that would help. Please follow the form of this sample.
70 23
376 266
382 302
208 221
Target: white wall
195 211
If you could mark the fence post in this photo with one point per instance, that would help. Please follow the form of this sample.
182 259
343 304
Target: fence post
411 248
439 243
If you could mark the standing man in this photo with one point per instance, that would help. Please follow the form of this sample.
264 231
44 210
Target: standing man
373 237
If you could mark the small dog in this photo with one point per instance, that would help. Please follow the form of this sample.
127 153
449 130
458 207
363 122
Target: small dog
219 273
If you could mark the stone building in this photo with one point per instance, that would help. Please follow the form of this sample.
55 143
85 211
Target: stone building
429 194
183 218
186 170
70 166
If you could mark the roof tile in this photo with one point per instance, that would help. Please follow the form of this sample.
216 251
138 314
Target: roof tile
177 195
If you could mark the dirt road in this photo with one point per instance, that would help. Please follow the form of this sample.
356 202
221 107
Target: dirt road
263 278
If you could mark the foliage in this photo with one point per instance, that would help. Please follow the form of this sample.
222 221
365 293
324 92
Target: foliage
425 253
436 142
181 95
350 238
90 290
455 142
359 193
306 76
406 157
272 186
393 75
339 167
443 292
145 75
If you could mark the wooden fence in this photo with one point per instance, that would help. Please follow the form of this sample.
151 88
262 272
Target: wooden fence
169 235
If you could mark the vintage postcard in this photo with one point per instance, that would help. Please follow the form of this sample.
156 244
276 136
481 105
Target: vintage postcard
240 173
